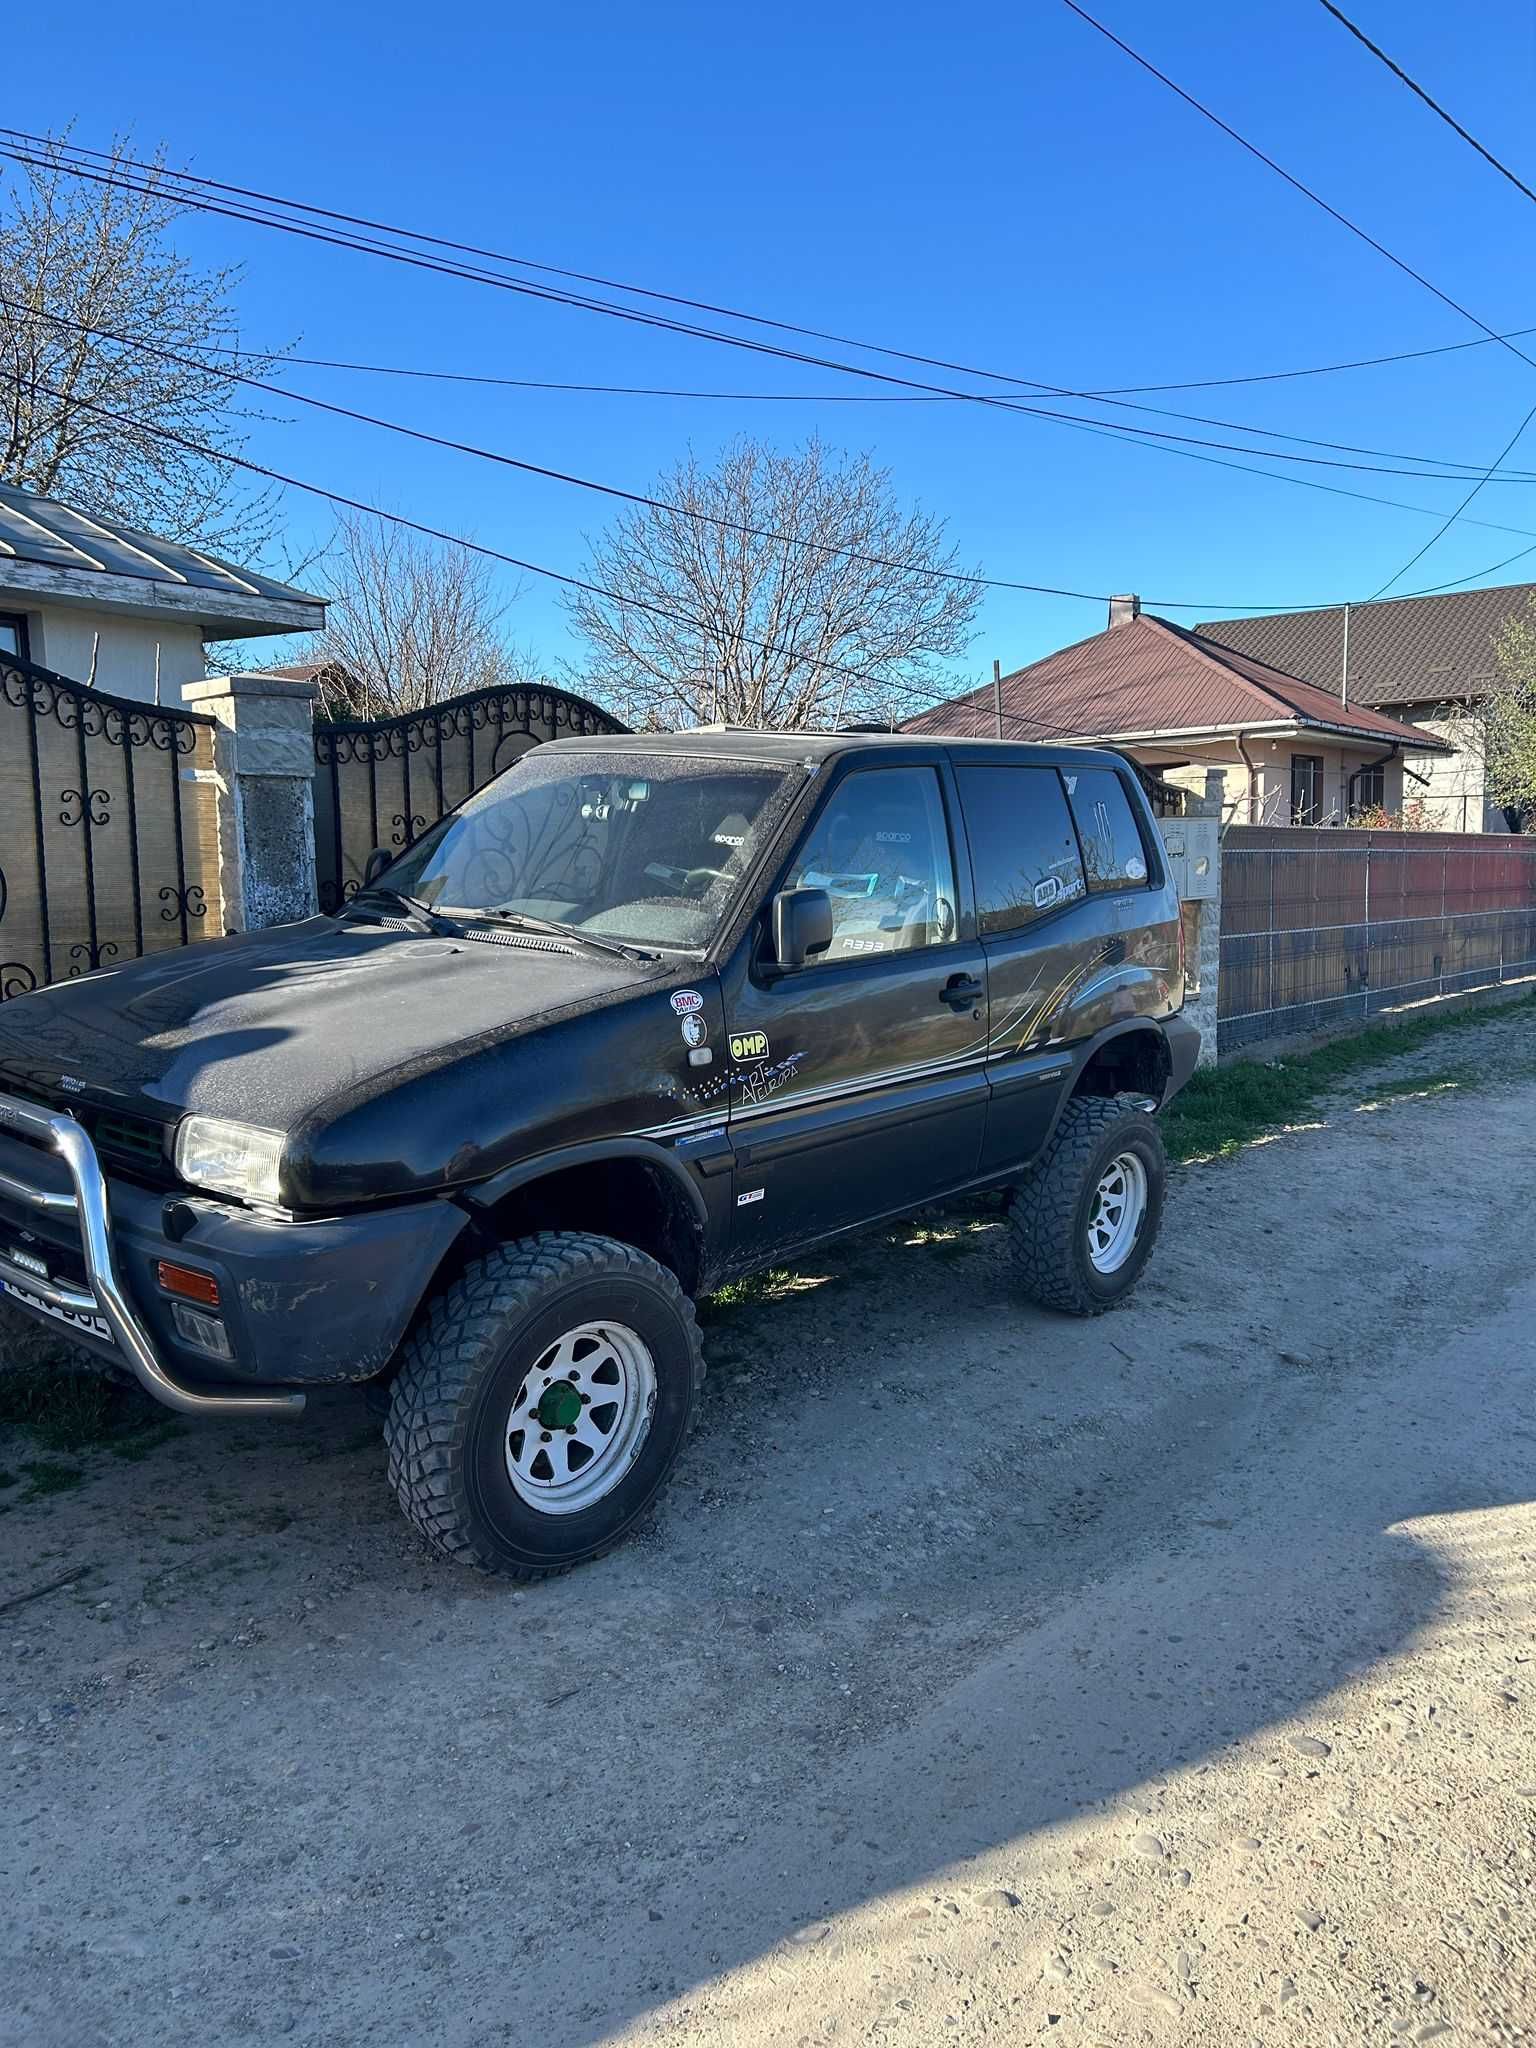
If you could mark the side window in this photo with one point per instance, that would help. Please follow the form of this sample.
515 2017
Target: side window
1023 847
1113 855
881 851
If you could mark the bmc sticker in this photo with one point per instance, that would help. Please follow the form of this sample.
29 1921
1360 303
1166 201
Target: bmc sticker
684 1000
749 1045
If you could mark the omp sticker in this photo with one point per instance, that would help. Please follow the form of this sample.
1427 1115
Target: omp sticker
694 1030
684 1000
749 1045
752 1195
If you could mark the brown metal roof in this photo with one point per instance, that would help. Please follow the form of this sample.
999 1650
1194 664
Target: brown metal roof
1406 650
1147 677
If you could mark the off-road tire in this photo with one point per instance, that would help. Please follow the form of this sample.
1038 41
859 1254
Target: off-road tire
461 1370
1048 1210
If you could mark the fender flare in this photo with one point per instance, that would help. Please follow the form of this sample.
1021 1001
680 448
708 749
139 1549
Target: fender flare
486 1194
1082 1054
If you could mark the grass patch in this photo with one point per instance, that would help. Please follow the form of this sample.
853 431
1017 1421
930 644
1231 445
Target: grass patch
61 1410
1225 1108
773 1283
50 1475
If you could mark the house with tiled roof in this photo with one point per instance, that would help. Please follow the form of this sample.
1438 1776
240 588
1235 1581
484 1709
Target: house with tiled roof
127 612
1181 703
1426 660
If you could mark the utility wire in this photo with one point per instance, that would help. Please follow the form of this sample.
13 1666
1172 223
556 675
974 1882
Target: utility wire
1429 100
1355 229
1410 355
283 360
173 181
1103 429
1295 183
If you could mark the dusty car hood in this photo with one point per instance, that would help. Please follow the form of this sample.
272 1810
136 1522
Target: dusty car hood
271 1027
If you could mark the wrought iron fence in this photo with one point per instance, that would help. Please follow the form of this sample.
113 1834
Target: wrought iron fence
382 782
108 841
1319 925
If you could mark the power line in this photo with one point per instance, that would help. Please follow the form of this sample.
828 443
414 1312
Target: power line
283 360
1294 182
1429 100
1409 355
174 180
1355 229
1166 444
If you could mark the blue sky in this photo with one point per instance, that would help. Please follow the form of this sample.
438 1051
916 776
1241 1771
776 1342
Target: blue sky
994 184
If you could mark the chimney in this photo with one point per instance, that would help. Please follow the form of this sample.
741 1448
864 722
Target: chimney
1122 609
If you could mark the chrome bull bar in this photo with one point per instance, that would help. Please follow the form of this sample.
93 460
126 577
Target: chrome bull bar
105 1297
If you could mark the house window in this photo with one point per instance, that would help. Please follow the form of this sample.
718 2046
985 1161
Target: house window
1023 848
1306 789
13 634
1371 788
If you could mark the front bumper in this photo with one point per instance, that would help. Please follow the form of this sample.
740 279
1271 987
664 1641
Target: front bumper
301 1302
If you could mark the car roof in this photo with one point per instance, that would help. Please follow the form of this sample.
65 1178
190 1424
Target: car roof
812 749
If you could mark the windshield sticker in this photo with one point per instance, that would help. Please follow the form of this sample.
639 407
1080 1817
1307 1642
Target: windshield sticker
749 1046
685 1000
1135 868
1046 892
694 1030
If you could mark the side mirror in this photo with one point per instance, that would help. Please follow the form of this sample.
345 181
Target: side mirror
375 865
802 927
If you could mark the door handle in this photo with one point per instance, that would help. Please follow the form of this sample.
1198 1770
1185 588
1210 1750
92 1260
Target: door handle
962 991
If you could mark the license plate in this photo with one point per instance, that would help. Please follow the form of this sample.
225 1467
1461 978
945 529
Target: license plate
93 1326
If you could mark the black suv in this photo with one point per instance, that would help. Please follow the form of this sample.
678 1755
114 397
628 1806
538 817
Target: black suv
643 1014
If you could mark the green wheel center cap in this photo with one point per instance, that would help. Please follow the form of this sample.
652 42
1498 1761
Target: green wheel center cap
559 1406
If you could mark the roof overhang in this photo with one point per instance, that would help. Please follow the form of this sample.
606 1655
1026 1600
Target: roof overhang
221 615
1281 728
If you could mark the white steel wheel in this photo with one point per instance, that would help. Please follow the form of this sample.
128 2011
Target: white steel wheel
580 1418
1115 1218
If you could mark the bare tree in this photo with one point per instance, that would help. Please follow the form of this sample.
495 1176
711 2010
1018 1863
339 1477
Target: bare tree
1509 716
78 411
410 623
776 590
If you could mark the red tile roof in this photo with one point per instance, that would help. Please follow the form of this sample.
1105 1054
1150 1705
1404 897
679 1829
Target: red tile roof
1146 678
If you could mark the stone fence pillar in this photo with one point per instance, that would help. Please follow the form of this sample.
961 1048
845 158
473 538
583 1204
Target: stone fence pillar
1193 842
265 749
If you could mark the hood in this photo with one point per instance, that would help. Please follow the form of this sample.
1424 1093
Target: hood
270 1027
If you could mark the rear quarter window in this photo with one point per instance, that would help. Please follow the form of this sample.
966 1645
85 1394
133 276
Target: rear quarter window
1114 856
1023 849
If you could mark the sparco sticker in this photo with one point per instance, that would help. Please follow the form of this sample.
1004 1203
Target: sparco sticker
685 1000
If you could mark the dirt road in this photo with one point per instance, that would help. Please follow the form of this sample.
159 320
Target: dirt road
982 1677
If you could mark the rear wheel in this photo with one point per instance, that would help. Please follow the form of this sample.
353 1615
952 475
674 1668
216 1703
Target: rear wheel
1085 1217
542 1403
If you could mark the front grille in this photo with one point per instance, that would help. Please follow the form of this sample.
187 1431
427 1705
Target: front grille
132 1141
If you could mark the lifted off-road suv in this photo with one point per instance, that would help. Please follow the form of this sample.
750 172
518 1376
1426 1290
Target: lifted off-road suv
642 1015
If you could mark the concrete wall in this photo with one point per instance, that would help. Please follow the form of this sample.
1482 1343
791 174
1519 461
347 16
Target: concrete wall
1454 788
60 638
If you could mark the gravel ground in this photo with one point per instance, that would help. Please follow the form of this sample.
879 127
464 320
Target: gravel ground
982 1676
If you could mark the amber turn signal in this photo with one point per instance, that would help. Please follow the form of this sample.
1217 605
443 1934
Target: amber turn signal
189 1283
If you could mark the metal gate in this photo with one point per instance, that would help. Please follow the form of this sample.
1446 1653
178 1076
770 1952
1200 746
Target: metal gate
108 838
383 781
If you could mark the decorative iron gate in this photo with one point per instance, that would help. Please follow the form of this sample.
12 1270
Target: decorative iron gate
108 845
382 782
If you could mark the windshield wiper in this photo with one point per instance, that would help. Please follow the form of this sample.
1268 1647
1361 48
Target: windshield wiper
552 928
380 892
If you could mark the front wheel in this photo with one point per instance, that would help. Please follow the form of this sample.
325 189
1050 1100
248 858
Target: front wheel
542 1403
1085 1217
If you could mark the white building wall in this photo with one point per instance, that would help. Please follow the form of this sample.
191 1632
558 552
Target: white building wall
61 637
1453 788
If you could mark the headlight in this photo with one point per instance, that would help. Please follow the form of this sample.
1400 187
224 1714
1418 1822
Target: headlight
231 1159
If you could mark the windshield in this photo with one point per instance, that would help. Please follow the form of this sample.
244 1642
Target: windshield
646 847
